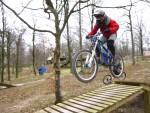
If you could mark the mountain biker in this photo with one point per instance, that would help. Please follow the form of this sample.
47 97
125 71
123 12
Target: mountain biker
108 27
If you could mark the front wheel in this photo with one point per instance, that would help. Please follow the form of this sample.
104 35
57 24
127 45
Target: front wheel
84 66
117 68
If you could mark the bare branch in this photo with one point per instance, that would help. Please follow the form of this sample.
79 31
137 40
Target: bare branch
148 1
34 8
97 6
50 6
65 1
15 13
72 11
25 7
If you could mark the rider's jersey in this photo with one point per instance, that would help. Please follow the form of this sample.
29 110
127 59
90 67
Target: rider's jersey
110 25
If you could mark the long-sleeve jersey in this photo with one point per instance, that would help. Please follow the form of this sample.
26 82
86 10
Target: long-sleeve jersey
112 26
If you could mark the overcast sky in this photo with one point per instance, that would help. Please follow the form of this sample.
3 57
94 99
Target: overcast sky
43 23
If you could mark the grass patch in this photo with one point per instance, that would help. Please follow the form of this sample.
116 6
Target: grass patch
31 77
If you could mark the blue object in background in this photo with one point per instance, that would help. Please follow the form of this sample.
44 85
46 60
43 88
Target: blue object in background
42 70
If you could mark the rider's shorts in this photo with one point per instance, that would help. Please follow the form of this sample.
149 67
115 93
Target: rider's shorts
112 37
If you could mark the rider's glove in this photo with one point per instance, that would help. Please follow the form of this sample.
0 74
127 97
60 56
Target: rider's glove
87 37
106 30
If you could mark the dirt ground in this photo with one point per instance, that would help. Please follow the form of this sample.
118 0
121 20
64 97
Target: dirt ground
39 94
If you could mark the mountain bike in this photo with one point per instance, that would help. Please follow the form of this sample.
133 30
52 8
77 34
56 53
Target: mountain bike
85 63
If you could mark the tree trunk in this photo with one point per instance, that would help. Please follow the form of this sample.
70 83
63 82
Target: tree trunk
3 46
33 53
8 56
57 69
141 43
68 41
69 48
17 56
80 29
132 40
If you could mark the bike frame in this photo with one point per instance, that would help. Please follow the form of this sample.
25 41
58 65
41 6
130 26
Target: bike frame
107 51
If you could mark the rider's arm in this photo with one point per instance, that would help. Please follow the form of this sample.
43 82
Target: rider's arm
94 30
114 27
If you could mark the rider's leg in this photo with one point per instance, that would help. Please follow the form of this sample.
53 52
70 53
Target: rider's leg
111 47
110 43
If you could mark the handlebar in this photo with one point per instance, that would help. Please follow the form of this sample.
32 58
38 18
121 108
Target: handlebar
96 37
97 34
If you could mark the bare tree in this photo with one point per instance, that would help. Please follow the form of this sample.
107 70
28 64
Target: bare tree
80 27
3 44
140 28
8 54
69 43
33 52
130 24
18 46
56 12
9 51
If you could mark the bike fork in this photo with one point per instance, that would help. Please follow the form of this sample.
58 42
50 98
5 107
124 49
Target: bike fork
92 57
93 54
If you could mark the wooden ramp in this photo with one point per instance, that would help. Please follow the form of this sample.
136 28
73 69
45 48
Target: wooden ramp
102 100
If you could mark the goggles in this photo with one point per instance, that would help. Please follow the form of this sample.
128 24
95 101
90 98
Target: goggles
99 16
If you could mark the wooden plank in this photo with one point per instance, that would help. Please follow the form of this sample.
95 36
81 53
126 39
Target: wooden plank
119 91
80 107
102 103
115 87
41 111
71 108
96 100
61 109
99 98
114 92
112 96
117 95
108 88
90 106
119 88
50 110
93 103
127 88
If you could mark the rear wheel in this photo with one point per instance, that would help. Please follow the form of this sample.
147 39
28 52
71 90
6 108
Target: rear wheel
117 68
84 66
